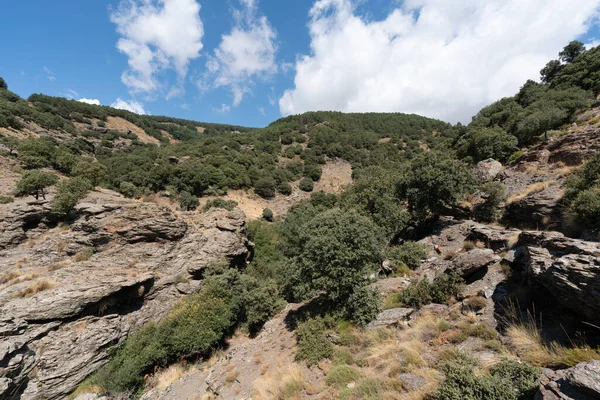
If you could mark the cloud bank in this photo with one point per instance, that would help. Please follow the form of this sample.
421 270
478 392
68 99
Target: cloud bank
95 102
439 58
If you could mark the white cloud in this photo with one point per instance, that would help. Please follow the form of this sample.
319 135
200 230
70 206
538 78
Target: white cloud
49 74
224 108
131 105
95 102
157 35
71 94
439 58
261 110
246 53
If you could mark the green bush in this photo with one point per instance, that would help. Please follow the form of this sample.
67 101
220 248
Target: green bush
341 375
130 190
284 188
69 193
408 253
508 380
6 199
94 172
586 207
228 205
424 292
313 172
313 346
265 187
267 214
188 201
363 305
306 185
495 194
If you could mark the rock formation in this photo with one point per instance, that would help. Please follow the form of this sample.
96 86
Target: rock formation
70 293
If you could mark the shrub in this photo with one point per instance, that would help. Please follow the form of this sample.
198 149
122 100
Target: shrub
69 193
363 305
188 201
313 346
94 172
129 190
101 124
228 205
267 214
284 188
509 380
34 183
313 172
424 292
306 185
341 375
586 207
6 199
494 194
408 253
265 187
261 302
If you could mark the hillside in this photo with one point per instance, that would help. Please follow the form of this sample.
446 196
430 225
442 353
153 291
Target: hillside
325 256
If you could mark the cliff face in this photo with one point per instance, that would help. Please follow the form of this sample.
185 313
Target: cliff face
68 293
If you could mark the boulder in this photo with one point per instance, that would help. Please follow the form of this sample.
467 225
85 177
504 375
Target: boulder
474 260
582 382
390 317
568 269
488 170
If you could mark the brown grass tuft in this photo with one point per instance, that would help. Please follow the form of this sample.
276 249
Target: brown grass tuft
286 383
531 189
35 288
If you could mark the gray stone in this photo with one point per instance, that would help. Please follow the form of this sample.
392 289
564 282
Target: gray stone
411 382
390 317
472 261
488 170
582 382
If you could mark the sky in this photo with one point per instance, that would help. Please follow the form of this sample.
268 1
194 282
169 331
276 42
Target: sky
250 62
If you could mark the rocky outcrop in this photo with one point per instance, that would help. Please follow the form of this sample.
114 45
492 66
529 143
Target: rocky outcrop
569 270
540 210
70 293
582 382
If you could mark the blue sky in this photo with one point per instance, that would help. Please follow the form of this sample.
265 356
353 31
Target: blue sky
249 62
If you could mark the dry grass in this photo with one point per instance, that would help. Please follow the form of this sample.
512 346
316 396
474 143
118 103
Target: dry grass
83 254
59 265
531 189
232 376
475 303
35 288
19 264
526 341
61 246
164 378
9 276
286 383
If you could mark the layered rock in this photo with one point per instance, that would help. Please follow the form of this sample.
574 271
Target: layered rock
68 294
569 270
582 382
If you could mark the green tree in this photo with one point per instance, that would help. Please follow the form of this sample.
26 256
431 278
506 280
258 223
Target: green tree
3 84
267 214
494 194
265 187
188 201
306 185
434 183
339 251
10 142
94 172
373 194
34 183
571 51
551 71
69 193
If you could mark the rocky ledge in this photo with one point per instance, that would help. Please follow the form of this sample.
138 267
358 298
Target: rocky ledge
68 293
